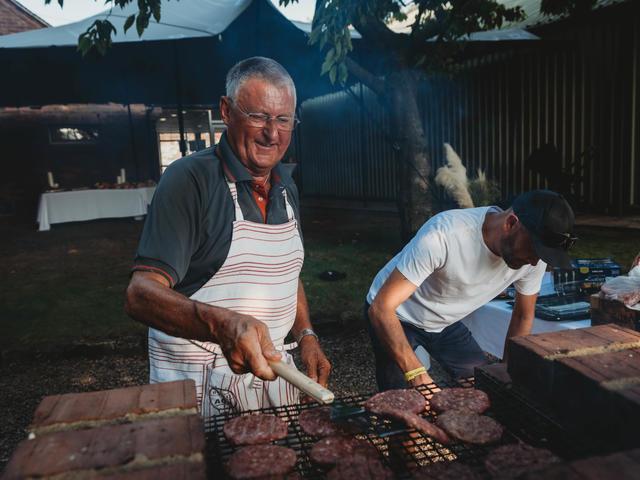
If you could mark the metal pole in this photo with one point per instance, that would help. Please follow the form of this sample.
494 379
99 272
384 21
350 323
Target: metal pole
134 151
183 143
363 151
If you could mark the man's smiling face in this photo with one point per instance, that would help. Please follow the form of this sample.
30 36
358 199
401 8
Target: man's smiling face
259 149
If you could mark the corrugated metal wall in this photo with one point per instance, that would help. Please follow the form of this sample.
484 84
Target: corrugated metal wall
344 147
580 93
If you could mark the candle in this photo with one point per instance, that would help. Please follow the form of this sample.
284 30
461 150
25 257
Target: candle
118 179
123 175
50 179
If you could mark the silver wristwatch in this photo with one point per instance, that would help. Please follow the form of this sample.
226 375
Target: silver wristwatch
304 333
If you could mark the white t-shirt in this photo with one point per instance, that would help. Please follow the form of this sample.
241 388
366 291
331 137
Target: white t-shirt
454 270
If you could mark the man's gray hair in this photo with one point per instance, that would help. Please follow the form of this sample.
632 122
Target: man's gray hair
258 67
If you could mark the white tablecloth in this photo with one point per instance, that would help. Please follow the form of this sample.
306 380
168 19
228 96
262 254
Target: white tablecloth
489 325
81 205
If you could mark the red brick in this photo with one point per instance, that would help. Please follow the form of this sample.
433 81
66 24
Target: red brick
116 448
79 410
532 358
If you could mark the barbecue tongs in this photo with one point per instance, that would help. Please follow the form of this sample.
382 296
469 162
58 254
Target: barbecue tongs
357 419
304 383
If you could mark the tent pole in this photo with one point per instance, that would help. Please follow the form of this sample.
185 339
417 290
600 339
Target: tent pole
134 151
183 143
363 150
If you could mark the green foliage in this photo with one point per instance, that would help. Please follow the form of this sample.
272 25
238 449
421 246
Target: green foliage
97 38
566 7
444 22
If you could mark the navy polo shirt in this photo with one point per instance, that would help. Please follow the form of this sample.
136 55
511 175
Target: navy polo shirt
187 232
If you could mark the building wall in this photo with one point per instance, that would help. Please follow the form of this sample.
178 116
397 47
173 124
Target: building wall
14 19
578 91
28 154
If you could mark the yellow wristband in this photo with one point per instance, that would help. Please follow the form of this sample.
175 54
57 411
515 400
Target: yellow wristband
411 374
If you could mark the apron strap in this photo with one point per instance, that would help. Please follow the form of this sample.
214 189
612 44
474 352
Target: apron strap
234 197
290 215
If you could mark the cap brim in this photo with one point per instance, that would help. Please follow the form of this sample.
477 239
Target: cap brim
556 257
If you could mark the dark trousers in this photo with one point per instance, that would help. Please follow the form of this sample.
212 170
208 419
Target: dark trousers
454 348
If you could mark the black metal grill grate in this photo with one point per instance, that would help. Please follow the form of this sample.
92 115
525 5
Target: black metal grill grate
405 451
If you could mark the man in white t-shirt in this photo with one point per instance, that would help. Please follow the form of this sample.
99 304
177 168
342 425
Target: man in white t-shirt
457 262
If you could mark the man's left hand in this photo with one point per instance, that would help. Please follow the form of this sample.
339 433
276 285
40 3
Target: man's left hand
314 360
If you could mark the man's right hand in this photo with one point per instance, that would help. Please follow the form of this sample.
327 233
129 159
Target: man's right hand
246 345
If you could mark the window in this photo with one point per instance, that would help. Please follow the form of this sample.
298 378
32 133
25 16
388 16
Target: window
170 146
73 134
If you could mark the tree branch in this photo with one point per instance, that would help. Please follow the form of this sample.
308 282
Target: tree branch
375 83
377 33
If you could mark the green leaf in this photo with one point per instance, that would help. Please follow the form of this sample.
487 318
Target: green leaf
315 34
141 24
326 66
331 54
129 22
343 73
332 74
156 12
84 44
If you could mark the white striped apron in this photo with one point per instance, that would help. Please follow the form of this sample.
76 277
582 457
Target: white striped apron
259 278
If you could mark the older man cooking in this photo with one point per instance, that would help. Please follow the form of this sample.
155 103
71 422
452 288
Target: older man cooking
216 275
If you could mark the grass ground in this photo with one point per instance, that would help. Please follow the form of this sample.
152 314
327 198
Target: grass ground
66 286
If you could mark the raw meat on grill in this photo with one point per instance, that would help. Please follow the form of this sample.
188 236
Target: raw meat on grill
404 405
261 461
470 427
317 422
255 429
446 471
510 461
407 400
330 450
460 399
360 468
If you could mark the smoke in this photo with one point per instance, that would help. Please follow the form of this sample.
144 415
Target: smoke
453 178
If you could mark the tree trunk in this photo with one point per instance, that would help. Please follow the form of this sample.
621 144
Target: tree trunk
414 197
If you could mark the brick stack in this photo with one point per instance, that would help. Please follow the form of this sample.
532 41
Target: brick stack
148 432
605 311
589 377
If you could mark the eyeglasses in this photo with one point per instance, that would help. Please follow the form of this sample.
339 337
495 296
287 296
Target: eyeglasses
562 240
260 120
568 240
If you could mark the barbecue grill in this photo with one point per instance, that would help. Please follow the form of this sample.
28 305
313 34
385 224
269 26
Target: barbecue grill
405 451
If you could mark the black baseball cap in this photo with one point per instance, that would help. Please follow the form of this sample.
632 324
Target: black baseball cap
549 219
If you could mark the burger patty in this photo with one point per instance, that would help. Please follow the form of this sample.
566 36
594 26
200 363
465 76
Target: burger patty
509 461
470 427
475 401
317 422
330 450
261 461
391 401
446 471
255 429
360 467
404 405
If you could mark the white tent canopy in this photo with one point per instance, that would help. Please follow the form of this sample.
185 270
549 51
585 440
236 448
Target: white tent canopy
179 20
